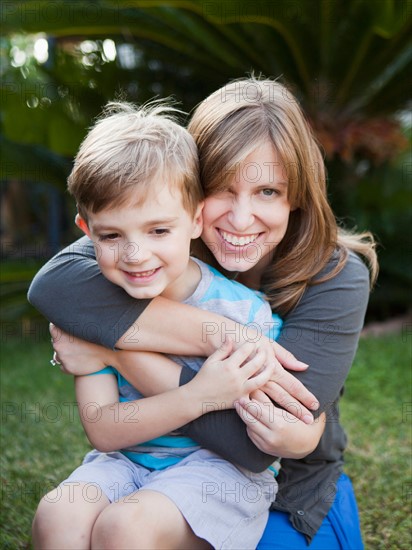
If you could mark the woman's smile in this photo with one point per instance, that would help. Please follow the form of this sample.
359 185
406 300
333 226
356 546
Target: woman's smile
237 240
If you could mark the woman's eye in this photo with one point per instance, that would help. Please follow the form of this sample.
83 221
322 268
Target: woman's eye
269 192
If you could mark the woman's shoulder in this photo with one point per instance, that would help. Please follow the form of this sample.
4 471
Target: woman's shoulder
354 271
340 300
349 287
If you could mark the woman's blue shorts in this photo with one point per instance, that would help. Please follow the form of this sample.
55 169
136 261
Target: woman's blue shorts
340 529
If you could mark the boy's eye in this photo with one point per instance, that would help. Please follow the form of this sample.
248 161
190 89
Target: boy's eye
108 237
160 231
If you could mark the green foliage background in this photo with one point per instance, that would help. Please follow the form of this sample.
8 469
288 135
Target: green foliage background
347 61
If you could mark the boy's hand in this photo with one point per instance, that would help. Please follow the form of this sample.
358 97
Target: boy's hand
76 356
228 375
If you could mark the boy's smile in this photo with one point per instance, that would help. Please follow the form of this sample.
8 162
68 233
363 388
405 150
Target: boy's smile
144 248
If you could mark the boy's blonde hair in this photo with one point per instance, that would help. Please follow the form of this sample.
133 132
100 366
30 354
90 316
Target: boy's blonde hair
131 150
232 123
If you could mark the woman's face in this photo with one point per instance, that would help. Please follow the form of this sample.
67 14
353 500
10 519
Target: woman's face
244 224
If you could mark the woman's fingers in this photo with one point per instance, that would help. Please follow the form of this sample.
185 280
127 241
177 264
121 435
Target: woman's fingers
76 356
257 407
290 404
259 416
54 332
287 359
294 390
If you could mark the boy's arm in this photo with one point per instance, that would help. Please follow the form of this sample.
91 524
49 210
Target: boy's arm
226 376
111 425
142 370
221 431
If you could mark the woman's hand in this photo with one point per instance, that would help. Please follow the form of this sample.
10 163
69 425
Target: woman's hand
291 394
283 387
274 430
77 356
229 374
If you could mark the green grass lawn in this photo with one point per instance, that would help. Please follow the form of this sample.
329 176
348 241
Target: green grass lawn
42 439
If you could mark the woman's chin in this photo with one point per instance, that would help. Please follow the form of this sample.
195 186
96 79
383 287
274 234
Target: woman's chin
238 265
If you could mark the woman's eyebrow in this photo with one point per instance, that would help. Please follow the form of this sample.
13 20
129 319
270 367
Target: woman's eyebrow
283 183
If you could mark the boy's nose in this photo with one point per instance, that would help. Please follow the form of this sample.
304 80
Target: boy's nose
135 253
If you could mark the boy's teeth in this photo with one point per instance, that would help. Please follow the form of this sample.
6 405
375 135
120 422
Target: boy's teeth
238 241
143 273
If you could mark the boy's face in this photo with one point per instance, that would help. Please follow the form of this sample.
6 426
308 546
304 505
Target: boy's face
145 248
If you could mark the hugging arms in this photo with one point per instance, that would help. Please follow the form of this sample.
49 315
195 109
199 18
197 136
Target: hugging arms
319 331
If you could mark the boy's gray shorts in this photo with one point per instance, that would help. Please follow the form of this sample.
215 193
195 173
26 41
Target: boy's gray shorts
226 505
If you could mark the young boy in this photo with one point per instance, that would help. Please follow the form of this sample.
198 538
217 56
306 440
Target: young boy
135 181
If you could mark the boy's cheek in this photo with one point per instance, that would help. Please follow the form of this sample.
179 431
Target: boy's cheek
107 255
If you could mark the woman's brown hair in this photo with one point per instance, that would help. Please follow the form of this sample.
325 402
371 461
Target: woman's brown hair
234 121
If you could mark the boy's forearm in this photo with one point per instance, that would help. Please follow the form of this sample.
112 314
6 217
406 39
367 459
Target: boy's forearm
120 425
151 373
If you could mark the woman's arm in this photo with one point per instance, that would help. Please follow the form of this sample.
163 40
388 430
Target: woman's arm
324 330
325 327
72 293
79 357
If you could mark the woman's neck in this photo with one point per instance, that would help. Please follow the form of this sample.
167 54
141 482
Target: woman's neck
251 279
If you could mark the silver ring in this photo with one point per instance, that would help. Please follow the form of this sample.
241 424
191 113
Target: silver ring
54 361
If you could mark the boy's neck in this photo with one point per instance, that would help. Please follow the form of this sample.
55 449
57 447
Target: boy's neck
185 285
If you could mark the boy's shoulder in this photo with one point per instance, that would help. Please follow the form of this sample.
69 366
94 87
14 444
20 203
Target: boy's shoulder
214 285
233 300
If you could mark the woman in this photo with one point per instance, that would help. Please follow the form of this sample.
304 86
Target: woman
267 222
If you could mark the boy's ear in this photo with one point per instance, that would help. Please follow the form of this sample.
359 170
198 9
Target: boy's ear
198 221
82 224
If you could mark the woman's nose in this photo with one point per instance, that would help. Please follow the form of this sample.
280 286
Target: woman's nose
241 214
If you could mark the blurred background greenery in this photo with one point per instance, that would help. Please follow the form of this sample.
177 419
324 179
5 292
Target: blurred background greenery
348 61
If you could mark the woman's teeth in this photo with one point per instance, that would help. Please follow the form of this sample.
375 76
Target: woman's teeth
238 241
